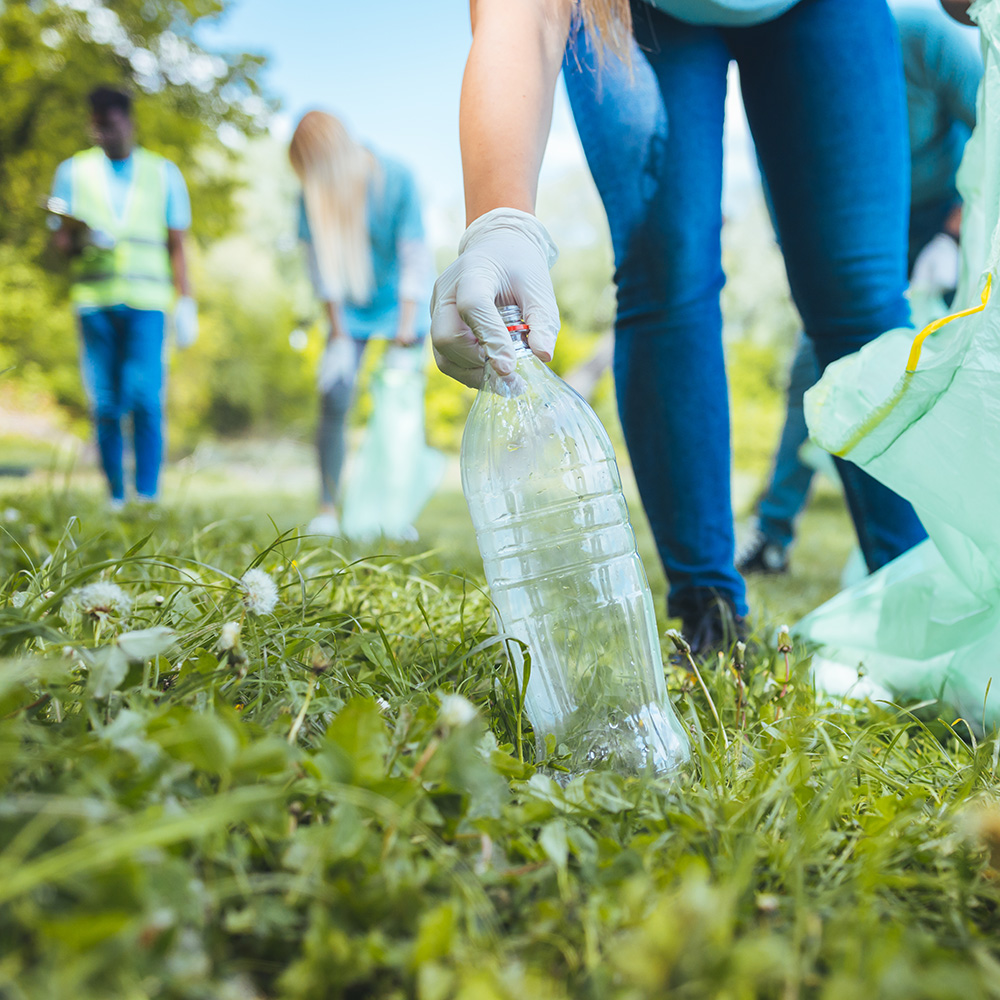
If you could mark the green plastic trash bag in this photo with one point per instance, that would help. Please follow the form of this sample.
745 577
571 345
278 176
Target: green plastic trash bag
395 472
921 413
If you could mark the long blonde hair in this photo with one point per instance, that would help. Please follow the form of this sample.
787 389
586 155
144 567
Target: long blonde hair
609 24
335 172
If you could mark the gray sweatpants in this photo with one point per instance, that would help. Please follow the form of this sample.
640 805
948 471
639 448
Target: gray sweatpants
331 446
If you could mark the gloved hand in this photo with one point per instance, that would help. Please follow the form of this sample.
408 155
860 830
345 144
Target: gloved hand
338 364
935 271
503 259
185 322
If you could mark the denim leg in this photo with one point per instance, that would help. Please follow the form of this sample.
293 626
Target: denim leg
788 488
101 357
143 391
823 90
652 135
330 443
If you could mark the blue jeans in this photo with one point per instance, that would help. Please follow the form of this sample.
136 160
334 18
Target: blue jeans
788 488
823 90
122 358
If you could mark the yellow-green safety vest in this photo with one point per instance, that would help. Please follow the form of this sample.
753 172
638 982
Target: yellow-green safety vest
137 271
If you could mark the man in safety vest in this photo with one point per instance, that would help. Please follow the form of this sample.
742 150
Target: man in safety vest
122 213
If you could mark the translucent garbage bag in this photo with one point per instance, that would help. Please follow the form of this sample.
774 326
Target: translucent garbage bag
921 413
395 472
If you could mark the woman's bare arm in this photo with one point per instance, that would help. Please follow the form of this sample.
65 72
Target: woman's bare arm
507 92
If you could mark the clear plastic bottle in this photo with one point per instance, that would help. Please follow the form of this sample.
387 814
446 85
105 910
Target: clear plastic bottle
542 485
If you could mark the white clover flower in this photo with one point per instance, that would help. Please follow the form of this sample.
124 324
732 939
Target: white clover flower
101 600
260 593
19 598
456 710
383 705
11 514
230 636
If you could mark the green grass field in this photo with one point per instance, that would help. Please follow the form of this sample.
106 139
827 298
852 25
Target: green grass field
203 799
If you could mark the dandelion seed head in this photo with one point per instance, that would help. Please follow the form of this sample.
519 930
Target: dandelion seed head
767 902
100 600
230 636
260 592
456 710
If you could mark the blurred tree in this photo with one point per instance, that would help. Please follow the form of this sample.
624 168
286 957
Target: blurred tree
247 373
190 105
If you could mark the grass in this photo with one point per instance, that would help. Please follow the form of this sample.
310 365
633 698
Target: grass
290 814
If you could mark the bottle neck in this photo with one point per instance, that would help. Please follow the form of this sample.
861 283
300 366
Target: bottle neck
517 328
519 338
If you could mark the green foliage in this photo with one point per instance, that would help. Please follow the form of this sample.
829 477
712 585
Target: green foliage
51 55
758 374
283 810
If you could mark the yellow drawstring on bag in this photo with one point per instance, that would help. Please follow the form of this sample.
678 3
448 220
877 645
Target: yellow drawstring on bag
918 340
878 415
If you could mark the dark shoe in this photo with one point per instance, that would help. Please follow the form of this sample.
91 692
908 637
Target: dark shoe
709 622
760 554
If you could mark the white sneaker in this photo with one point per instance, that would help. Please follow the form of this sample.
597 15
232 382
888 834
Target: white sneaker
324 524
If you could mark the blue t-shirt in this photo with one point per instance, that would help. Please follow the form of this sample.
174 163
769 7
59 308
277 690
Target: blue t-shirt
943 66
729 13
393 218
120 173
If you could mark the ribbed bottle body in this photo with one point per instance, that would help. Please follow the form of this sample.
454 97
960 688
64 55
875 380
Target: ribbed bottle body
543 489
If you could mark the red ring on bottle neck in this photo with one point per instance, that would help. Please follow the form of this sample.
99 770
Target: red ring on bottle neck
518 328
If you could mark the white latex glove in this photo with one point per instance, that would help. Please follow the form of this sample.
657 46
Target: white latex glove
935 270
338 364
185 322
503 259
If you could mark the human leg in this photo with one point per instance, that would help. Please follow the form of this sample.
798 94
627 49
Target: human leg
788 488
652 134
823 90
143 392
101 358
330 440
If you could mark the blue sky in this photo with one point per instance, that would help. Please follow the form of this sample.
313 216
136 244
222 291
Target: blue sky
392 70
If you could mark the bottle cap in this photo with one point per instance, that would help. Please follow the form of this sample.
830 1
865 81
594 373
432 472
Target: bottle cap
516 327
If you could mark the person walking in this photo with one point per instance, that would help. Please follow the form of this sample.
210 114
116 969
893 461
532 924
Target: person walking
360 221
823 90
121 213
942 67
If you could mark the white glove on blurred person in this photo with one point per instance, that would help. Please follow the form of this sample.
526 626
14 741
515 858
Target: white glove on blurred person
935 270
338 364
185 321
503 258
